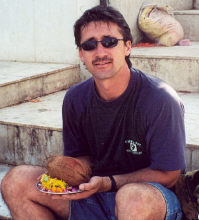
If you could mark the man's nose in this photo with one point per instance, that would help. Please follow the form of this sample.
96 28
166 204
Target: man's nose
100 48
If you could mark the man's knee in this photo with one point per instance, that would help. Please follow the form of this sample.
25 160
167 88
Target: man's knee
139 199
129 195
18 179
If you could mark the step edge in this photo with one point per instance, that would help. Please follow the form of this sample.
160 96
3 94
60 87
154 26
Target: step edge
186 12
164 57
76 66
59 129
188 145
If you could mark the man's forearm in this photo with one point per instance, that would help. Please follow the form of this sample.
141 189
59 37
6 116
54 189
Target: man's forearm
166 178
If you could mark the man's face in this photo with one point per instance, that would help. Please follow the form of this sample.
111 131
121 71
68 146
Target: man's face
104 63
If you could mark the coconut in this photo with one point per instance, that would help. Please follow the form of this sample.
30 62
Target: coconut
71 170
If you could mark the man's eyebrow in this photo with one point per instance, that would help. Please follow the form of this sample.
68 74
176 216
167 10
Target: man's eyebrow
104 36
91 38
107 36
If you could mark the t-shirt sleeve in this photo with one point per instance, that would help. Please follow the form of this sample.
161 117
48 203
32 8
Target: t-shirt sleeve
165 137
73 141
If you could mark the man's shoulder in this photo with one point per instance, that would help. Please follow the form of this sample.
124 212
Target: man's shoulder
79 96
80 90
156 92
155 86
81 86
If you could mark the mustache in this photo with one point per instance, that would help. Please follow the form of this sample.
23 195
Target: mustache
101 59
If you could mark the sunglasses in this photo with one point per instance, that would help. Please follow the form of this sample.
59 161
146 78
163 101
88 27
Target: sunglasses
107 42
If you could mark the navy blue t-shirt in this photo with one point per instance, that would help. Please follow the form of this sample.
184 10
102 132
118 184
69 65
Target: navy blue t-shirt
144 127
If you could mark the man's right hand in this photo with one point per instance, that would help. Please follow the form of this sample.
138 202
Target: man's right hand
96 184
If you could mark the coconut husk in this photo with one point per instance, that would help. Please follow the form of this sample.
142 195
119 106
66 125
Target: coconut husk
72 170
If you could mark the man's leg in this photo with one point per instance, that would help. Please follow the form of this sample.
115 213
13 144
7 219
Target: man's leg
25 201
139 201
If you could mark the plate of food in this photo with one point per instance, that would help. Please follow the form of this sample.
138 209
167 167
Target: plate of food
55 186
64 175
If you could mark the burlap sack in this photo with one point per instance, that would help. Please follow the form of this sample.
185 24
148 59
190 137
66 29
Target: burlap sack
159 25
187 191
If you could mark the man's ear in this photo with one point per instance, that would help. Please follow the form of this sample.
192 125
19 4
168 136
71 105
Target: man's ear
128 45
81 54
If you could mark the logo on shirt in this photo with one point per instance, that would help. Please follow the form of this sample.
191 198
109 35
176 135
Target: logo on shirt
133 147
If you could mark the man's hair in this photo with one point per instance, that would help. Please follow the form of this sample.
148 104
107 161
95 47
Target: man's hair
104 14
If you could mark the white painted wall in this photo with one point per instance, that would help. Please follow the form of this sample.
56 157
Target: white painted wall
40 30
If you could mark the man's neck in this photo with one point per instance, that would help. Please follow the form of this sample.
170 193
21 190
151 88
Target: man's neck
110 89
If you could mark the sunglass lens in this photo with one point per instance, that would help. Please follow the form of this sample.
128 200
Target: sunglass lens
109 42
89 45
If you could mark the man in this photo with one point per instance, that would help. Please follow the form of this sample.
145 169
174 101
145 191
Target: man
127 124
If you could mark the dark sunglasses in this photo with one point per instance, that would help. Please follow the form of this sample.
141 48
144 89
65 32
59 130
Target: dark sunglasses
107 42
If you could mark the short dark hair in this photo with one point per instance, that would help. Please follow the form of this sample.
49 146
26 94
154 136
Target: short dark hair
105 14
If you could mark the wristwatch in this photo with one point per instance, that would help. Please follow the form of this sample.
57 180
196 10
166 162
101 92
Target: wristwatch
113 184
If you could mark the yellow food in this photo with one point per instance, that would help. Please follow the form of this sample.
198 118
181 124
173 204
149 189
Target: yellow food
53 184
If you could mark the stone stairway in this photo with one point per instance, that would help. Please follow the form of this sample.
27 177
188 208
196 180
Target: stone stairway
190 23
20 82
31 97
178 65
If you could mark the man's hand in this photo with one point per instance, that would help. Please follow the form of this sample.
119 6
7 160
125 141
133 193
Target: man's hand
96 184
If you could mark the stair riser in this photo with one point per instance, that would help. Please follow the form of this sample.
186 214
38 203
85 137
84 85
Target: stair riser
190 24
25 145
192 155
180 4
181 74
37 86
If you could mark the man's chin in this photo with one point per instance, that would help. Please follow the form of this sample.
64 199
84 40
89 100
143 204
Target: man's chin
102 75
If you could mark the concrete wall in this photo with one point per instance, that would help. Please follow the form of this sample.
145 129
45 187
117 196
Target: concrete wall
40 31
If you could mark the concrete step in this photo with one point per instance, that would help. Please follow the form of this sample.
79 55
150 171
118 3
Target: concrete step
189 19
23 81
191 103
177 65
30 132
180 4
175 4
4 211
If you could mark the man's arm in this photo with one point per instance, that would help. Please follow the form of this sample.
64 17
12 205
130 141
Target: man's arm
103 184
166 178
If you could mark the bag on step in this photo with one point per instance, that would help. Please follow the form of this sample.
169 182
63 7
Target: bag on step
159 25
187 191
